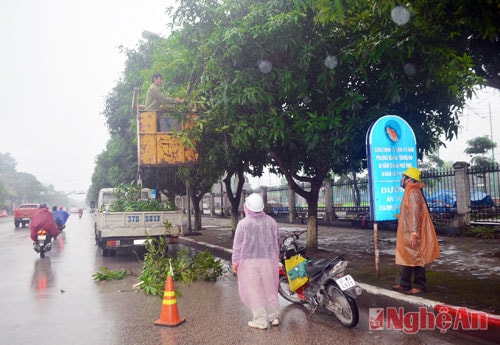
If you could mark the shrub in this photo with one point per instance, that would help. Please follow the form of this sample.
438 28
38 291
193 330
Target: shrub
483 232
156 266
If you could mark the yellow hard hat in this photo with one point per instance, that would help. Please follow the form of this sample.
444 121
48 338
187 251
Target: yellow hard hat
413 173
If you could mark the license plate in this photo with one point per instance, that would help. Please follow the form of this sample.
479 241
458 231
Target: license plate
42 237
346 282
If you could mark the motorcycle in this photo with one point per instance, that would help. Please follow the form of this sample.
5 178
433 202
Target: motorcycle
42 243
327 286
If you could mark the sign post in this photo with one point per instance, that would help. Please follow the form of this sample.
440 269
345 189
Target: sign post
391 149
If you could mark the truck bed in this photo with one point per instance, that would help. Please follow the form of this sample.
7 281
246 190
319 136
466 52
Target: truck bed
136 224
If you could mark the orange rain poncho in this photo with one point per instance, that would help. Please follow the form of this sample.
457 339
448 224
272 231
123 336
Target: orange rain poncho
415 217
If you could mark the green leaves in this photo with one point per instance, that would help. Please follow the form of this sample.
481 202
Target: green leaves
422 70
156 266
107 274
127 201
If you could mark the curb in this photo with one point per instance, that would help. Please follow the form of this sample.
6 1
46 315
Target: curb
222 251
463 318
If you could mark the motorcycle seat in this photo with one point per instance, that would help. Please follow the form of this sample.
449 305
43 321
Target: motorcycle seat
316 266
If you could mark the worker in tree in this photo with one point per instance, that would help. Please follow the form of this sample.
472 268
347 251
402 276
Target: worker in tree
155 99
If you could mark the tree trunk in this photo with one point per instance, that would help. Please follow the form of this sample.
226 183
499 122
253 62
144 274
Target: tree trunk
311 197
312 236
234 198
197 213
195 200
312 227
234 222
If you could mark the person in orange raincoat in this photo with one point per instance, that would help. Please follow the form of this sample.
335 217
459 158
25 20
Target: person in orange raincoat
416 244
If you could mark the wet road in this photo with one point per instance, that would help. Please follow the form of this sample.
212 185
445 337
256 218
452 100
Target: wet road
55 301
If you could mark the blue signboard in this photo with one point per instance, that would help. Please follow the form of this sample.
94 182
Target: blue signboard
391 149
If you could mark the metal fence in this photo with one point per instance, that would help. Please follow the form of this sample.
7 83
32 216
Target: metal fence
351 197
485 194
439 192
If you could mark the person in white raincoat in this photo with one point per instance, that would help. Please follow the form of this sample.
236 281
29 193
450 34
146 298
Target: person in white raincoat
255 259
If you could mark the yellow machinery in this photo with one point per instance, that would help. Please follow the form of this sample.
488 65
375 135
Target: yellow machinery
156 143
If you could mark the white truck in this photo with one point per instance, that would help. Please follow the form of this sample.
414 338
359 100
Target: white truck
115 230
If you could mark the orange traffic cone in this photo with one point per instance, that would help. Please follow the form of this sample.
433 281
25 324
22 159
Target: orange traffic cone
169 313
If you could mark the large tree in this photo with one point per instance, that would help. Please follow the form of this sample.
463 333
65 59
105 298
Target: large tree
197 24
117 164
472 27
297 84
305 92
19 187
7 176
477 148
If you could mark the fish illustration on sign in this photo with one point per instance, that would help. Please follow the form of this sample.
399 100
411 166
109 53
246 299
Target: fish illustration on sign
392 134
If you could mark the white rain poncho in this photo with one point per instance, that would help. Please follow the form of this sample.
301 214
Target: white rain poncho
256 253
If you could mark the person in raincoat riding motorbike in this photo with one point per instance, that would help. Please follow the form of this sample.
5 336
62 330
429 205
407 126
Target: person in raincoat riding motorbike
416 244
255 259
43 219
60 216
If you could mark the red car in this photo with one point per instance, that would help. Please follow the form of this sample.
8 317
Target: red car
3 213
23 213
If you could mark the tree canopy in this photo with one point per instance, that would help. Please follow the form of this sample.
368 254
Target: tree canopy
281 81
477 148
296 84
21 187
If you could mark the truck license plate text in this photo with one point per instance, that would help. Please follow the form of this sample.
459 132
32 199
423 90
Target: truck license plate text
147 219
152 219
133 219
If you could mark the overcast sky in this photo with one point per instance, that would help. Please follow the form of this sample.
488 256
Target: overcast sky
480 117
59 61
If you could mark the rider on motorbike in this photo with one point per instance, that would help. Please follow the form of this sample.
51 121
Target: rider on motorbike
43 219
64 214
60 216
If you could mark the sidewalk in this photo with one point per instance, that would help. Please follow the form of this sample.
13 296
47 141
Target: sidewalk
467 274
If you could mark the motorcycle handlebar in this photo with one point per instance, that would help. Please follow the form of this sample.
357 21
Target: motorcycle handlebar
294 234
299 233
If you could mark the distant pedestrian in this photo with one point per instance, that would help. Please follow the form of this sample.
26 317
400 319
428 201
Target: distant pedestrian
416 244
256 259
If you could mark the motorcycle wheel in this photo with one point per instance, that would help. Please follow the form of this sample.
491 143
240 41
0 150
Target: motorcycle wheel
42 252
286 293
342 306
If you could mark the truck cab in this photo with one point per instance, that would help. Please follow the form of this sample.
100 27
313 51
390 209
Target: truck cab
23 214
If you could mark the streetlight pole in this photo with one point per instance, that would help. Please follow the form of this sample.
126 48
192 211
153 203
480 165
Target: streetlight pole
188 192
491 135
221 199
148 35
